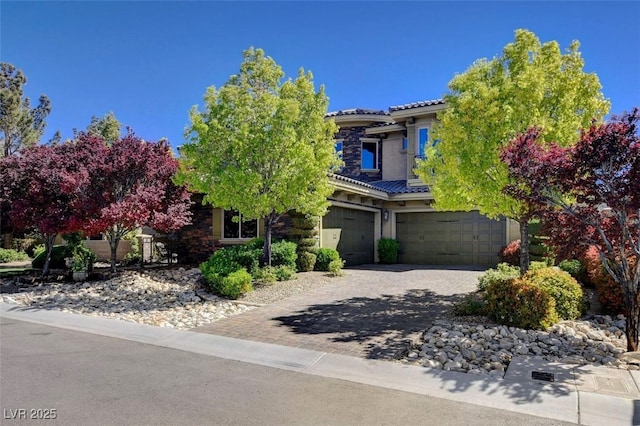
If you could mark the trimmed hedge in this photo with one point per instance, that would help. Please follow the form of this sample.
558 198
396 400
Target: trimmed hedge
324 258
503 272
565 290
388 250
520 303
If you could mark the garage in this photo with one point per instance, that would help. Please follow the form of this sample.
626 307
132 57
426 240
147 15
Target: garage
449 238
351 232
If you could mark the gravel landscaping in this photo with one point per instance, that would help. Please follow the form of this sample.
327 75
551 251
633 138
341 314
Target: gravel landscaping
177 298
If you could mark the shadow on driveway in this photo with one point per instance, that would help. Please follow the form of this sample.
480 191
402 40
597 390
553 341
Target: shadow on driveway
386 325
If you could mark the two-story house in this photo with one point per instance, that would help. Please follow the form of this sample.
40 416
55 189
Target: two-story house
378 195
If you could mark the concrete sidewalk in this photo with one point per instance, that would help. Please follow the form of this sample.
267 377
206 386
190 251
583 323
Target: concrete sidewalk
575 396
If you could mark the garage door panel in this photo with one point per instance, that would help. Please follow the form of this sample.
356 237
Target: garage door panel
356 243
449 238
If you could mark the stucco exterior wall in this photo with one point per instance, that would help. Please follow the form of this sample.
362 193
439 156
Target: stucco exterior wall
394 165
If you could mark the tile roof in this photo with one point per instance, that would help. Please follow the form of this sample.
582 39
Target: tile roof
354 181
357 111
397 187
417 105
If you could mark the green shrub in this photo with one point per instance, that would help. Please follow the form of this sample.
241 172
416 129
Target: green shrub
284 273
335 267
519 303
538 264
562 287
221 263
472 304
11 255
324 257
255 243
235 284
264 275
573 267
388 250
284 253
503 272
306 261
58 254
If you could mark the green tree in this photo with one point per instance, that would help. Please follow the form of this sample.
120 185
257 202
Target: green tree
108 127
20 125
490 104
261 146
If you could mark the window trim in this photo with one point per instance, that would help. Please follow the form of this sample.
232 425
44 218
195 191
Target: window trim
376 158
418 153
240 239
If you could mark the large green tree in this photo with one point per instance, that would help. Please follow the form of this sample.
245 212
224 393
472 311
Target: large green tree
21 125
492 102
262 146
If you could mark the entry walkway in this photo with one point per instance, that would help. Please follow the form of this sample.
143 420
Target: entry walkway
372 312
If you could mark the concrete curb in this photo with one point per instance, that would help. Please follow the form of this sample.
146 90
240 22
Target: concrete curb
560 401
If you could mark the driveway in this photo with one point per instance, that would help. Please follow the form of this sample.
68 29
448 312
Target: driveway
371 312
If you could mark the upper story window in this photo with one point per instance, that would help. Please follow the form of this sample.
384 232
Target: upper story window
405 143
339 148
238 228
369 155
422 141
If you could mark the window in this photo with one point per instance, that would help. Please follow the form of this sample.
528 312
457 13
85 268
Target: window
369 156
238 228
423 139
405 143
339 148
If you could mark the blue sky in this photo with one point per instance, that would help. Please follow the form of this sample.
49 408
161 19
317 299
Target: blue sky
149 62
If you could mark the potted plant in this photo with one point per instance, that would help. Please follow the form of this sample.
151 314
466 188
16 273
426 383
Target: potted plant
80 267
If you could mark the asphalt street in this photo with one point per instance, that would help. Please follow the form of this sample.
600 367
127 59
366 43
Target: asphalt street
87 379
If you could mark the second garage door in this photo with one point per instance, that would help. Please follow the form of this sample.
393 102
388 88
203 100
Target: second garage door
449 238
354 233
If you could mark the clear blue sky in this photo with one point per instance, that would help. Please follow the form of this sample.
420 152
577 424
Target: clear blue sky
149 62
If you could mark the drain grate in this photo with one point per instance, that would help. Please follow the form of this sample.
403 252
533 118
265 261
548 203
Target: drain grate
541 375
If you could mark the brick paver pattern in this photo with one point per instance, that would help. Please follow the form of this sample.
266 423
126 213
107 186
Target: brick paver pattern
371 312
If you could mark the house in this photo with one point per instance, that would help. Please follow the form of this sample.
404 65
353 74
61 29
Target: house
377 195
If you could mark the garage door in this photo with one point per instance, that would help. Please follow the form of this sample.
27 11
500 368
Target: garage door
351 232
449 238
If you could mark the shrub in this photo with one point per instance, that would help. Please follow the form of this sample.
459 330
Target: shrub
573 267
472 304
10 255
324 257
306 261
521 304
221 263
264 275
284 253
565 290
537 264
609 292
510 253
335 267
388 250
284 273
58 254
503 273
235 284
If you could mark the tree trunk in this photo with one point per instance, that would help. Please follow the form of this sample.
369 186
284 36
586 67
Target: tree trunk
266 254
48 248
113 244
633 321
524 246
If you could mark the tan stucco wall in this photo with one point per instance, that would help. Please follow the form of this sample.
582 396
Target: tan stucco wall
394 164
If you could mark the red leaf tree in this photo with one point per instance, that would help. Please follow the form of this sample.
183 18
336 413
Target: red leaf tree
132 186
588 195
45 188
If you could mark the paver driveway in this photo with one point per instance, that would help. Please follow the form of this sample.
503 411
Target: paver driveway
372 312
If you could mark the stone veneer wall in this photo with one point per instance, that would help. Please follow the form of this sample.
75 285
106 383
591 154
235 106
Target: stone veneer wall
351 155
195 243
